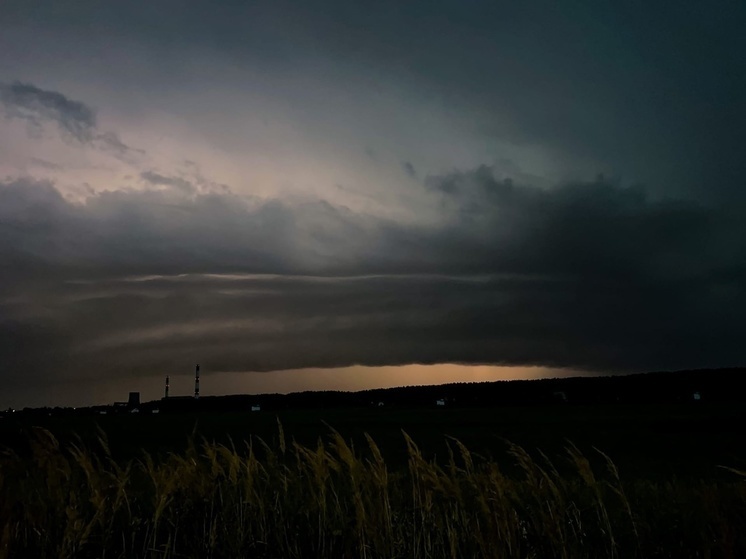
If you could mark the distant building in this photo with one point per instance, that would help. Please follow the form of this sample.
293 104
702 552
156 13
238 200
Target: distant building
134 400
256 407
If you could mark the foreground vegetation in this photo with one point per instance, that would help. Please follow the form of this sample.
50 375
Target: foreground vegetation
333 500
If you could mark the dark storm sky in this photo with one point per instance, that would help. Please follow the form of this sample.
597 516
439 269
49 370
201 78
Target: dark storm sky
280 185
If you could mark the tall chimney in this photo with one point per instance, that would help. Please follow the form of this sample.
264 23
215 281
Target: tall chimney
196 382
167 385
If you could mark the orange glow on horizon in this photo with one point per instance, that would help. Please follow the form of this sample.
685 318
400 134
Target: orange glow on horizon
360 377
350 379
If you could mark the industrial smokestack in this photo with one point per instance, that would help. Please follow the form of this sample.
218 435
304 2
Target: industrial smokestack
196 383
167 385
134 400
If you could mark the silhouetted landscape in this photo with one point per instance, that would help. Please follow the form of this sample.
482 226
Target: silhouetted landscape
648 465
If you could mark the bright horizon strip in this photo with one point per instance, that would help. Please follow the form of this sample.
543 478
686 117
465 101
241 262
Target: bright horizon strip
361 377
347 379
104 391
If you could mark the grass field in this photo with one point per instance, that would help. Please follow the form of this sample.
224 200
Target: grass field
644 440
531 483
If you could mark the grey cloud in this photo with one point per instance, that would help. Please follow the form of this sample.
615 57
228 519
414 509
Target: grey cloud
74 119
35 105
157 326
177 182
409 169
372 154
652 90
172 230
44 164
112 144
195 177
592 274
588 275
588 228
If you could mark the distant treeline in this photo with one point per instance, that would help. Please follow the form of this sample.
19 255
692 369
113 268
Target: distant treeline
714 385
696 386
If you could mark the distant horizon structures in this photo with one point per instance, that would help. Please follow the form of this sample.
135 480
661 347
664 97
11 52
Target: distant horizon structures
196 382
167 385
134 400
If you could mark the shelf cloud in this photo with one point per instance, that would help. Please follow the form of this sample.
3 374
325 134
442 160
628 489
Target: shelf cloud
273 186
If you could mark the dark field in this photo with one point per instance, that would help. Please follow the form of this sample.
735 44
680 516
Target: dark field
313 484
691 439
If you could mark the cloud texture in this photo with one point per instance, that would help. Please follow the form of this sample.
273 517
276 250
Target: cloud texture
274 185
585 275
76 122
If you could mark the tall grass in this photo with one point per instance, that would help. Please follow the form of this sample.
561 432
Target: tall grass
331 500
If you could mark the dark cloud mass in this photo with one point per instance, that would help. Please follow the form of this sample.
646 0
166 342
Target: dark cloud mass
589 275
409 182
34 105
75 120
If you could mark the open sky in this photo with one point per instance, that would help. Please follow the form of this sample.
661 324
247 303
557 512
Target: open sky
333 194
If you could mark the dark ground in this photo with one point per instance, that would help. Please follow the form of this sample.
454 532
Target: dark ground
686 440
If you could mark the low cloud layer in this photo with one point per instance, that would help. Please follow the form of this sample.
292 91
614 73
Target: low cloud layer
585 275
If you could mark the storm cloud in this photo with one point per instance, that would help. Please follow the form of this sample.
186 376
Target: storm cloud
319 185
585 275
